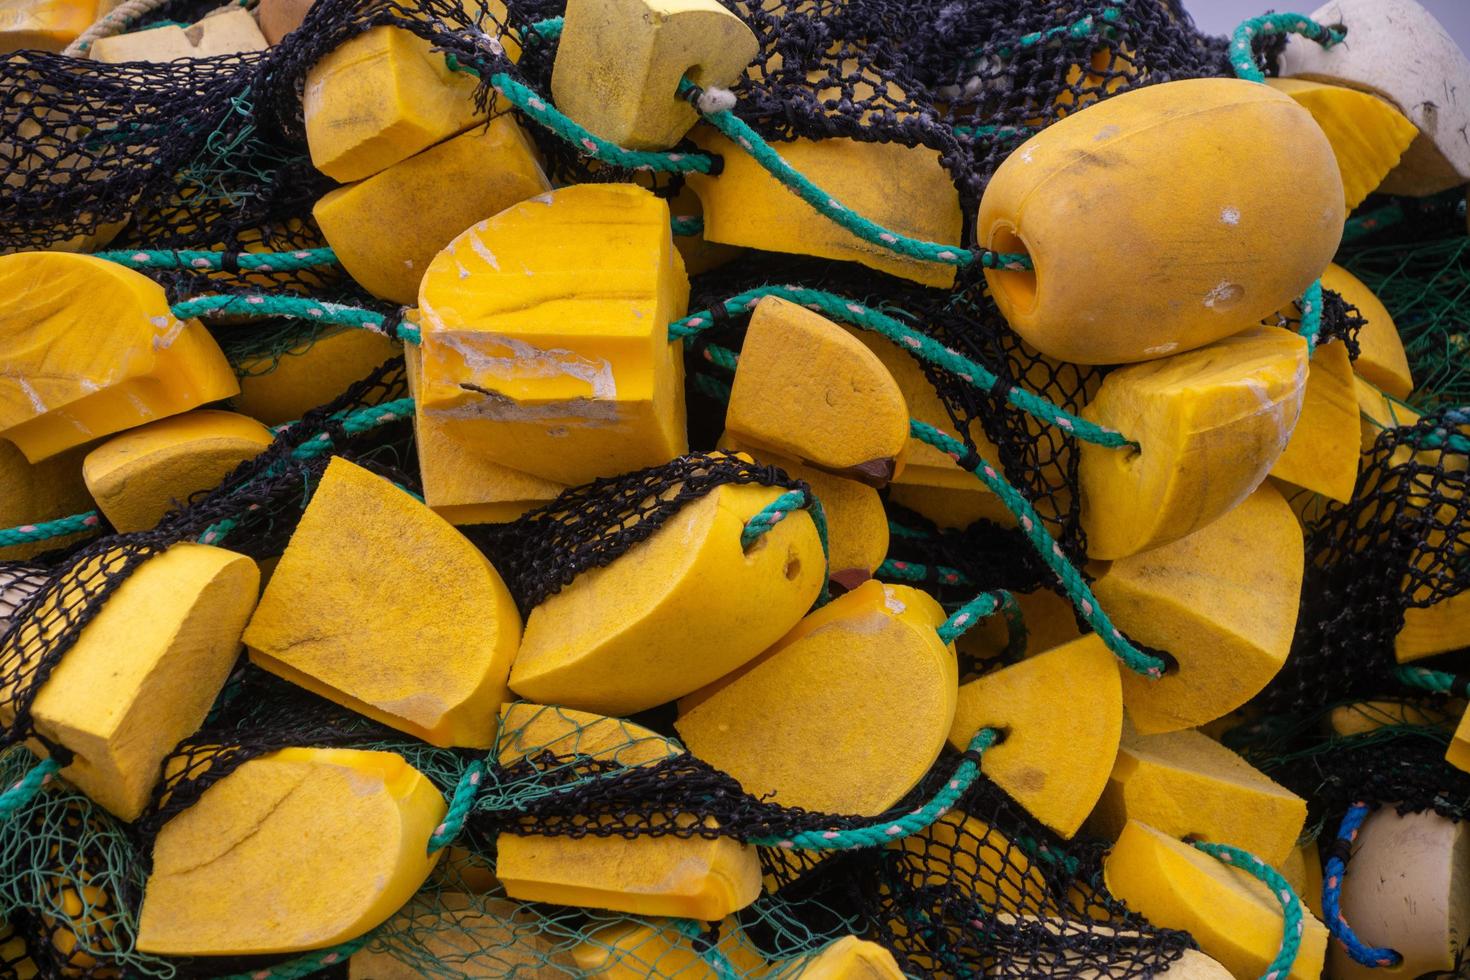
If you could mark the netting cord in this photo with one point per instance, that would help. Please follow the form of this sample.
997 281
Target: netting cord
886 831
1071 579
217 259
305 966
694 932
1334 873
46 530
1291 905
1434 681
26 788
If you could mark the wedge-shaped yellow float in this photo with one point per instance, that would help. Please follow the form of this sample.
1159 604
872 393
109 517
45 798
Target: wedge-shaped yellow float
1234 917
144 671
281 388
904 189
1359 717
44 491
865 681
857 525
1381 358
380 98
1368 135
1186 784
849 417
1223 602
1407 888
475 936
300 849
231 32
966 853
1400 52
1058 747
677 611
1377 412
427 200
619 64
657 948
1209 423
381 605
1431 630
45 25
91 348
1220 232
694 877
460 484
1322 454
1458 753
139 476
546 334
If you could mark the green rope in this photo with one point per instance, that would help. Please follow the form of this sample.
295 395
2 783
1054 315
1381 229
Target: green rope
884 832
463 800
304 966
1242 50
908 571
307 258
1311 306
930 350
1291 906
903 531
710 387
964 619
721 357
260 305
685 227
776 511
1076 587
26 789
1362 225
1434 681
46 530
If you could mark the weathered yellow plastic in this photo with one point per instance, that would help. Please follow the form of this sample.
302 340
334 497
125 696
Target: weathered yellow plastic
904 189
1223 602
1378 412
1435 629
1220 233
280 17
300 849
1368 135
44 491
381 605
44 25
1360 717
476 936
281 389
1186 784
966 853
91 348
1233 916
1322 454
379 98
1381 358
677 611
1210 423
545 334
828 690
849 417
1057 749
694 877
1458 753
142 474
232 32
427 200
635 950
460 484
857 525
619 63
145 671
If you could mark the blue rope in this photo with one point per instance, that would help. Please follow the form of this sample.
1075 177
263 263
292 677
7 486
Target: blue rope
1291 906
1333 874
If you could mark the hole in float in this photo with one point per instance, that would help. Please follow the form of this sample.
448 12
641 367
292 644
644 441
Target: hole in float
793 566
1018 287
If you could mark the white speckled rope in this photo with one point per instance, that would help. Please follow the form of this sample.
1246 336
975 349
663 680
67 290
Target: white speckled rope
121 17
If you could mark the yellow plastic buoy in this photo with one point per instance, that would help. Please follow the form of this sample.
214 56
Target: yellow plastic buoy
280 17
1381 358
1223 602
91 348
1209 424
1186 784
1458 752
674 613
904 189
1058 745
1322 454
388 228
965 852
476 936
37 492
1214 234
460 484
1407 888
144 672
864 683
1435 629
44 25
1233 916
281 388
380 98
370 583
139 476
689 877
545 334
619 64
1302 870
848 417
300 849
232 32
1368 135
